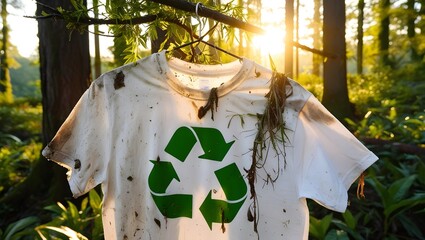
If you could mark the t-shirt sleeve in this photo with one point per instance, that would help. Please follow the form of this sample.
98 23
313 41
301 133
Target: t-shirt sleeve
329 157
80 145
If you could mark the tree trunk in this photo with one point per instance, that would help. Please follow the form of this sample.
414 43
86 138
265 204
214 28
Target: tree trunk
97 62
335 92
297 39
316 37
360 18
411 33
64 71
384 32
421 24
65 75
289 49
6 94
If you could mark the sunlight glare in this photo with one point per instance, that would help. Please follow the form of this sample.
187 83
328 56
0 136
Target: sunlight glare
272 42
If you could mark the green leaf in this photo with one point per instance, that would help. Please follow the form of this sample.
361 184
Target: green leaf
18 226
405 204
319 227
352 232
336 235
71 234
73 210
61 206
74 4
95 201
349 219
84 203
400 188
54 208
381 190
421 172
10 136
411 227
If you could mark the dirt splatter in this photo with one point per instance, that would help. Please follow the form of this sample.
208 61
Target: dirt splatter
312 113
257 74
119 80
63 135
195 106
223 220
99 84
77 164
249 215
135 232
157 222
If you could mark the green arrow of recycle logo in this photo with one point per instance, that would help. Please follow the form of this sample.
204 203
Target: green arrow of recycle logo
230 178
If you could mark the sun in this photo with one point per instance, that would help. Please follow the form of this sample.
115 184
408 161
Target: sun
272 42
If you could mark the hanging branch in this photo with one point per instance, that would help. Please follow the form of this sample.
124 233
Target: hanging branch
212 14
55 14
96 21
177 4
313 50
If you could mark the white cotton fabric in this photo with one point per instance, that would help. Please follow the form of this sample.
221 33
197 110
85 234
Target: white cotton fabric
119 127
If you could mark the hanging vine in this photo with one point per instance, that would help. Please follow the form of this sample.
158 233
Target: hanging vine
270 132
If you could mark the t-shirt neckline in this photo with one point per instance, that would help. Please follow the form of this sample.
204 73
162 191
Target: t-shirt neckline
237 71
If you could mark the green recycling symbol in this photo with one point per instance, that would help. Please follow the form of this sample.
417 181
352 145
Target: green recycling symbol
230 178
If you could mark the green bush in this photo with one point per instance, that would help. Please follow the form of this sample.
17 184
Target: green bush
394 110
16 160
68 222
393 208
73 222
20 130
21 118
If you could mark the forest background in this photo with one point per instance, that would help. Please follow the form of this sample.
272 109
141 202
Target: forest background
380 82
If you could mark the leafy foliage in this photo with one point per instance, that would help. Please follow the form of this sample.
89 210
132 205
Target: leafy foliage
21 229
22 119
20 124
16 160
132 39
391 102
67 222
393 208
73 222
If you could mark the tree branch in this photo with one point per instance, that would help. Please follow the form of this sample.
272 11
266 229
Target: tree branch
181 5
313 50
212 14
400 147
97 21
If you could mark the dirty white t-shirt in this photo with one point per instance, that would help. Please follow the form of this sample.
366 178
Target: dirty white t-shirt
166 174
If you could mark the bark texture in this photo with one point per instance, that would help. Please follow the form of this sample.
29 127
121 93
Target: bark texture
335 91
65 75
